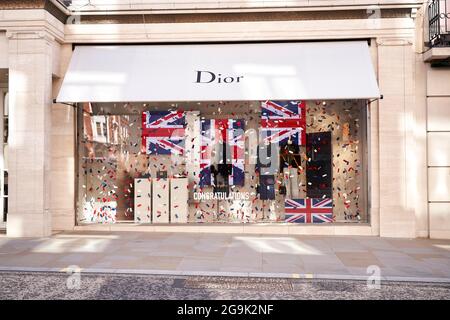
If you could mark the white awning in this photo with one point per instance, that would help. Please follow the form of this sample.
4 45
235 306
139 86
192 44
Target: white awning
215 72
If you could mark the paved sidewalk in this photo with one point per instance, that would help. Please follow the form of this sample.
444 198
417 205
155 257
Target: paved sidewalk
339 257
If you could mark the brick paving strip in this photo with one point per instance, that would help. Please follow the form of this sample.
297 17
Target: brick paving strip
224 274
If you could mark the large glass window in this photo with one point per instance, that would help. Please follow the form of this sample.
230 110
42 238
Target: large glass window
247 161
4 104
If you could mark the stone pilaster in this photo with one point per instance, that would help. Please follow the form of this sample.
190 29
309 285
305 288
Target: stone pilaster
30 100
400 157
63 159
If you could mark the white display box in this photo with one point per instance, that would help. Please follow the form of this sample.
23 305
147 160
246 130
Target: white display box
142 200
179 196
160 201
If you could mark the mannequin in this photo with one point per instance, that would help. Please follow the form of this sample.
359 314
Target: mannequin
222 168
289 163
266 167
289 155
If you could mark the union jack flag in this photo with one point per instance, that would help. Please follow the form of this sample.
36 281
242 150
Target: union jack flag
163 132
230 132
308 210
283 119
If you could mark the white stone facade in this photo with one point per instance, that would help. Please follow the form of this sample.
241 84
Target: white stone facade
409 179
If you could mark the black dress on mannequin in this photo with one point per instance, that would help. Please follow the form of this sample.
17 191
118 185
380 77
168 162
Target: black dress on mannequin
289 156
319 167
267 168
222 170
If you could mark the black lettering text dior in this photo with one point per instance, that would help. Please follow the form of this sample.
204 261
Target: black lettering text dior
211 77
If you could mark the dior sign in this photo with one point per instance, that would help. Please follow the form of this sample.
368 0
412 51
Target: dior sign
204 76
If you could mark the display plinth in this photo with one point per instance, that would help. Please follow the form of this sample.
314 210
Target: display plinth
160 201
142 200
179 197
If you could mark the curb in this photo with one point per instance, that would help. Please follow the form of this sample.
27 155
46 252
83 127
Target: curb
308 276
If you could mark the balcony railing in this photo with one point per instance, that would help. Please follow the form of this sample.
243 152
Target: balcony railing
439 23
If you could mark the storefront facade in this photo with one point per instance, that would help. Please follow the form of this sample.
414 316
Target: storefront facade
85 150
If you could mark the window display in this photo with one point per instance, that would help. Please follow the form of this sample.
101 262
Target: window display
228 162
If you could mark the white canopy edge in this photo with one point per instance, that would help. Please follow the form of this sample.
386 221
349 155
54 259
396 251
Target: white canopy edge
220 72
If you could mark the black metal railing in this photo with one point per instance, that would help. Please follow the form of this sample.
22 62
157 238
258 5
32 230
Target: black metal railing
65 3
439 23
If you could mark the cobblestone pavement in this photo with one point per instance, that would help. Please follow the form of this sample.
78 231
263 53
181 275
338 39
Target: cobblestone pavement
37 285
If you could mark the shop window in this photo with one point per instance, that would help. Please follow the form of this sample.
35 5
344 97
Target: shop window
244 162
5 195
5 129
4 160
99 128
